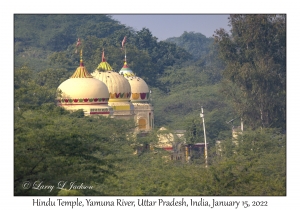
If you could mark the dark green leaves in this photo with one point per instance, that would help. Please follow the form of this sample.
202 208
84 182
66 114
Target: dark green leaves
256 63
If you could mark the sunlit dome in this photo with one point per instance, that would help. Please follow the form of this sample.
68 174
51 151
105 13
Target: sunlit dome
126 71
82 91
118 87
139 88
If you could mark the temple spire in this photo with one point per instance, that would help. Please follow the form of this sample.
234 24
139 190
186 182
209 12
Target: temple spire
125 62
77 45
81 71
103 57
124 46
81 60
104 66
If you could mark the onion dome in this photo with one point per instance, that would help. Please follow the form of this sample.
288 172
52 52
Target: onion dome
118 86
139 88
104 66
126 71
82 91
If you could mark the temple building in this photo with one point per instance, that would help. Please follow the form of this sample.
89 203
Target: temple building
108 93
82 91
119 90
140 94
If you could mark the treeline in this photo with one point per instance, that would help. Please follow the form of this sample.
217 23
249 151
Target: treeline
53 39
255 73
255 167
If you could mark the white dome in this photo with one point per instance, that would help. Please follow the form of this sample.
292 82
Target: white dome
139 89
84 92
118 87
84 88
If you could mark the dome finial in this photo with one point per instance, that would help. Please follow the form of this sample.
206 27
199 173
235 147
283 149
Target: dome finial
103 56
104 66
81 60
124 47
125 64
81 71
77 44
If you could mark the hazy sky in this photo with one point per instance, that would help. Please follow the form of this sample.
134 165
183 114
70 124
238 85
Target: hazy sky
166 26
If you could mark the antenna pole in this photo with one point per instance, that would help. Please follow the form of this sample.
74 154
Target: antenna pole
205 146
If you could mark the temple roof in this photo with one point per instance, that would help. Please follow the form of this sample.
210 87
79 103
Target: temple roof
104 65
81 71
126 71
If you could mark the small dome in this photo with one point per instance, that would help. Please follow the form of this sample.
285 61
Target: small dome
139 88
126 71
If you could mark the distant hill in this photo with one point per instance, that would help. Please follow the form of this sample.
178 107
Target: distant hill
195 43
56 32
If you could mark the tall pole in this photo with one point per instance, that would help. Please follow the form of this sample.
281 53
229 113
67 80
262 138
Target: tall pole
125 53
205 146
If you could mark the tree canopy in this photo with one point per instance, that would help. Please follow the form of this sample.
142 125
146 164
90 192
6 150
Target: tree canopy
53 144
255 57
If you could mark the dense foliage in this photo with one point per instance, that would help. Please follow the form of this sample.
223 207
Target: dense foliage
52 144
255 57
241 75
257 167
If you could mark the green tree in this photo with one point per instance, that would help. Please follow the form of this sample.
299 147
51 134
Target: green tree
60 60
51 145
255 58
52 78
253 164
144 40
27 93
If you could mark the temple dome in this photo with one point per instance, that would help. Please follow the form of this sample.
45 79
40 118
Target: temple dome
83 88
139 88
118 87
126 71
82 91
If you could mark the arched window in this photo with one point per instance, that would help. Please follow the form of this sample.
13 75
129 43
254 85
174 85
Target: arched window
142 124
